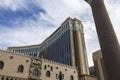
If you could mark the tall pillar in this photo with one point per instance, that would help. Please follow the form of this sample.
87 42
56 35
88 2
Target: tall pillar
72 47
80 55
108 41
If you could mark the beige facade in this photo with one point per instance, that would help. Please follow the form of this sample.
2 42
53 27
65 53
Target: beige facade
56 68
11 64
17 67
99 65
33 68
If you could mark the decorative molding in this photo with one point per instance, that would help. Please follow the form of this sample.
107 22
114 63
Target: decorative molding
59 64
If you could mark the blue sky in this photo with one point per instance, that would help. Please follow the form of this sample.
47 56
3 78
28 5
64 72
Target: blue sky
27 22
8 16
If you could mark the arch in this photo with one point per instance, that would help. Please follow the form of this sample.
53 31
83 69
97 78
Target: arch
1 64
2 78
36 72
45 67
11 79
20 68
71 77
7 78
48 74
51 68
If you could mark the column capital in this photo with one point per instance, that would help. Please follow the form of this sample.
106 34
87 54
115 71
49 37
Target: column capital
89 1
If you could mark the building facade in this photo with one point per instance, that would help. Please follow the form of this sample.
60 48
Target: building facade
66 45
13 66
99 65
17 67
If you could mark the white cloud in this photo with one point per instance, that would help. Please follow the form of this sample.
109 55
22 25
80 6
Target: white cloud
34 32
13 4
28 35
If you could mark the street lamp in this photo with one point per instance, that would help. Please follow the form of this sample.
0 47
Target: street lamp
60 76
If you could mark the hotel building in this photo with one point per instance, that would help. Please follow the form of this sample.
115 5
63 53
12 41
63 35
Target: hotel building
66 45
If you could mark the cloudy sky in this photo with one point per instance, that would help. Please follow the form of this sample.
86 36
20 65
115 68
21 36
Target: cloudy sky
27 22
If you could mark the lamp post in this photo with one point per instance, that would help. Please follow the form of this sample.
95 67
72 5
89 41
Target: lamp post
60 76
108 41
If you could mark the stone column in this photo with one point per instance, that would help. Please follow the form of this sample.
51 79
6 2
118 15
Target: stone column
72 47
108 41
79 54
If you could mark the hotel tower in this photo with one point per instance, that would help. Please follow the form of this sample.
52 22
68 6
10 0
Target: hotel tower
66 45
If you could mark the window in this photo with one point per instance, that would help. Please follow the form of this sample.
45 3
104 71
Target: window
56 67
51 68
45 67
2 78
27 60
48 74
11 57
71 77
7 79
36 72
74 71
20 68
1 64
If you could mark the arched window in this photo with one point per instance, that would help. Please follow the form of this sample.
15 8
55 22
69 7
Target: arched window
20 68
51 68
2 78
45 67
36 72
7 79
71 77
1 64
48 74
